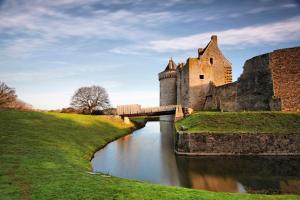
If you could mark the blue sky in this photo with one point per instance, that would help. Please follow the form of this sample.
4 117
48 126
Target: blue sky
49 48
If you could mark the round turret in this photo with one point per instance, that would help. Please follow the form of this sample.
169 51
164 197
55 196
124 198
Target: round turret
167 80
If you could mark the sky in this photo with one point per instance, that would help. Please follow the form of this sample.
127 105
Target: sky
48 49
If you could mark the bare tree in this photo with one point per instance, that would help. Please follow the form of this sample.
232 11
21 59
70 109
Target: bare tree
7 94
18 104
90 99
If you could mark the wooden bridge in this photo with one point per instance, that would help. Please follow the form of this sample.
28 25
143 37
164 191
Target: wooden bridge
136 110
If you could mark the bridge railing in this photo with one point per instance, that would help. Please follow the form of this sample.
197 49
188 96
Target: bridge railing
137 109
128 109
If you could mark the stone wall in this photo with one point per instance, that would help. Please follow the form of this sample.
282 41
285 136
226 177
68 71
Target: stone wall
222 98
168 118
182 85
198 87
285 64
237 144
255 86
268 82
215 63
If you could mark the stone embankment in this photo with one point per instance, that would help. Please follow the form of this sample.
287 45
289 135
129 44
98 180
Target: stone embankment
237 144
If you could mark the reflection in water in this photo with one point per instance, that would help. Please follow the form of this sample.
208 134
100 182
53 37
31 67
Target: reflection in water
148 155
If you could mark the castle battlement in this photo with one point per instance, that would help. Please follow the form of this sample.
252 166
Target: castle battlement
166 74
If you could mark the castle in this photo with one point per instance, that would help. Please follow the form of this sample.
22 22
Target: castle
269 82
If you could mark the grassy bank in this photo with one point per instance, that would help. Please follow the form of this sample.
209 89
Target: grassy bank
138 120
144 119
46 156
241 122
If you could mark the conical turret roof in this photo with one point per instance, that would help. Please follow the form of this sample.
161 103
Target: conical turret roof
171 66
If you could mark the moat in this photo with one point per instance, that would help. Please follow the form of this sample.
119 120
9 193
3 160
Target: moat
148 155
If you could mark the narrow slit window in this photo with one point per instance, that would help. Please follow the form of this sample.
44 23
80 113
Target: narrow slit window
201 76
211 60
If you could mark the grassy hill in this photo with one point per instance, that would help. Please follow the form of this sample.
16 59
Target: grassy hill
241 122
47 156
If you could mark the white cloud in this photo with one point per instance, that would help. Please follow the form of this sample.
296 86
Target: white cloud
34 75
282 31
258 10
290 5
127 51
47 21
40 25
66 71
43 23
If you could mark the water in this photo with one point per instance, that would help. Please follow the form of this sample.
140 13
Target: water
148 155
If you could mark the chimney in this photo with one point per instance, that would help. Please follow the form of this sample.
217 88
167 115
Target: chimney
214 38
200 50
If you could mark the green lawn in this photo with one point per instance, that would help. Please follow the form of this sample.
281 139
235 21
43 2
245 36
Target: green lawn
47 156
240 122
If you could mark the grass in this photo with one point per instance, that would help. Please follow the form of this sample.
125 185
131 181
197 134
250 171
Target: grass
241 122
144 119
138 119
47 156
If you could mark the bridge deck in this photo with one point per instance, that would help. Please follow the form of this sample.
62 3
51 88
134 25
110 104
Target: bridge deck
137 110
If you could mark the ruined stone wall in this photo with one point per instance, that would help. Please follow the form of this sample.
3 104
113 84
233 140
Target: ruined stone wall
269 82
255 86
168 90
222 98
237 144
285 64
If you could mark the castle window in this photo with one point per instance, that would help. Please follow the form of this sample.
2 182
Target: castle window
211 60
201 76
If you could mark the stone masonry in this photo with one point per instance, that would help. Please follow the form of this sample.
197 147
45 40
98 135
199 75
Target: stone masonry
187 84
168 88
237 144
285 65
269 82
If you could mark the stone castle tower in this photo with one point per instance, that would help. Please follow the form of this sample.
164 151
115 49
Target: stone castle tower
167 80
188 84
